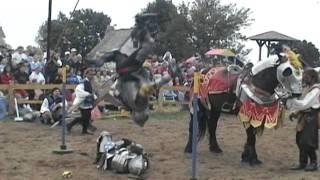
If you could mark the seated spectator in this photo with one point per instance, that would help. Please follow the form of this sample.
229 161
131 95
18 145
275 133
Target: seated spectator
6 76
51 108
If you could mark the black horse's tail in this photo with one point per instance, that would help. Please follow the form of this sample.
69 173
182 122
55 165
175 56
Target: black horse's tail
202 120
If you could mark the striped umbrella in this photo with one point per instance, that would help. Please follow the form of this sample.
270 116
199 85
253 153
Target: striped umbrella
220 52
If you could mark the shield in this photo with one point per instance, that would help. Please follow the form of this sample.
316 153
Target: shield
220 52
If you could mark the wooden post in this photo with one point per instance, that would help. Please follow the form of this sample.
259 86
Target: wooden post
160 101
11 98
196 90
260 43
64 74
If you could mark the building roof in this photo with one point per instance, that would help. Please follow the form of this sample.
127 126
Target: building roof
113 39
272 36
2 43
2 35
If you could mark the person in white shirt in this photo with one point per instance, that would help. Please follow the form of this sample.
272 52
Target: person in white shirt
18 56
36 76
84 99
307 113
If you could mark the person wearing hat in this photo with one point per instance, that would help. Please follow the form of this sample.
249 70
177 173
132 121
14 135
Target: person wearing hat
85 98
66 58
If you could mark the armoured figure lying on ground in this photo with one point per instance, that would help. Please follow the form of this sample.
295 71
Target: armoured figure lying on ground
123 156
133 86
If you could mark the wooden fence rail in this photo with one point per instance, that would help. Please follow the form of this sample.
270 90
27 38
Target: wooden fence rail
12 87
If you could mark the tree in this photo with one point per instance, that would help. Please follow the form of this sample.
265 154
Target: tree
82 32
175 29
218 26
204 24
309 53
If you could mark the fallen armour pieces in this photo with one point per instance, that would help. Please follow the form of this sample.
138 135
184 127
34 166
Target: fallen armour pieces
123 156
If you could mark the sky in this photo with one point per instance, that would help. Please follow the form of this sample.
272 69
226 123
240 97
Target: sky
21 19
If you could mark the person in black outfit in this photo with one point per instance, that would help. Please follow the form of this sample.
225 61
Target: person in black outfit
84 94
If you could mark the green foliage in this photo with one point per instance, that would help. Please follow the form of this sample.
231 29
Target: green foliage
309 53
82 32
204 24
174 29
218 26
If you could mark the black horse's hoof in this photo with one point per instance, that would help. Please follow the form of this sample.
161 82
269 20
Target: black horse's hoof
187 151
255 162
244 160
216 149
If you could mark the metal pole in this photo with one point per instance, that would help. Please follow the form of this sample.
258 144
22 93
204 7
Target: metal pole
196 81
63 145
49 30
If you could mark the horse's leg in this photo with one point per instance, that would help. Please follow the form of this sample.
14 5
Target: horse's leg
212 126
249 154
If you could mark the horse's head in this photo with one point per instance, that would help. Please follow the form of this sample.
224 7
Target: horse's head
271 79
290 78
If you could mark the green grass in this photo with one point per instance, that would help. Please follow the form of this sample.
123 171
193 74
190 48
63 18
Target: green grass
180 115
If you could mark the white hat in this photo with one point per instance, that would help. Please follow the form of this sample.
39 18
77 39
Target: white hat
66 53
73 50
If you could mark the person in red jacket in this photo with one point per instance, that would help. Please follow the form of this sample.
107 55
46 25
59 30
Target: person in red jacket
6 76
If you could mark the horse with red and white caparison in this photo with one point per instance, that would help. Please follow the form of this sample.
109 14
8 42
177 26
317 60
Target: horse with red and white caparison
256 91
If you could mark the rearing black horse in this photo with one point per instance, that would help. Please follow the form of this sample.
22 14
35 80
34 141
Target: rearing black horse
256 87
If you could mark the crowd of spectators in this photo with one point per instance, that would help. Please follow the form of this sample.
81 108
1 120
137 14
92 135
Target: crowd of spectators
30 66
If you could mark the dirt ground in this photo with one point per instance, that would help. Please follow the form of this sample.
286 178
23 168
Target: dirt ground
26 151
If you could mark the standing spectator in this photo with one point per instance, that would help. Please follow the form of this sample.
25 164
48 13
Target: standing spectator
72 77
3 62
36 62
98 79
18 56
51 68
77 64
21 77
36 76
72 58
65 60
